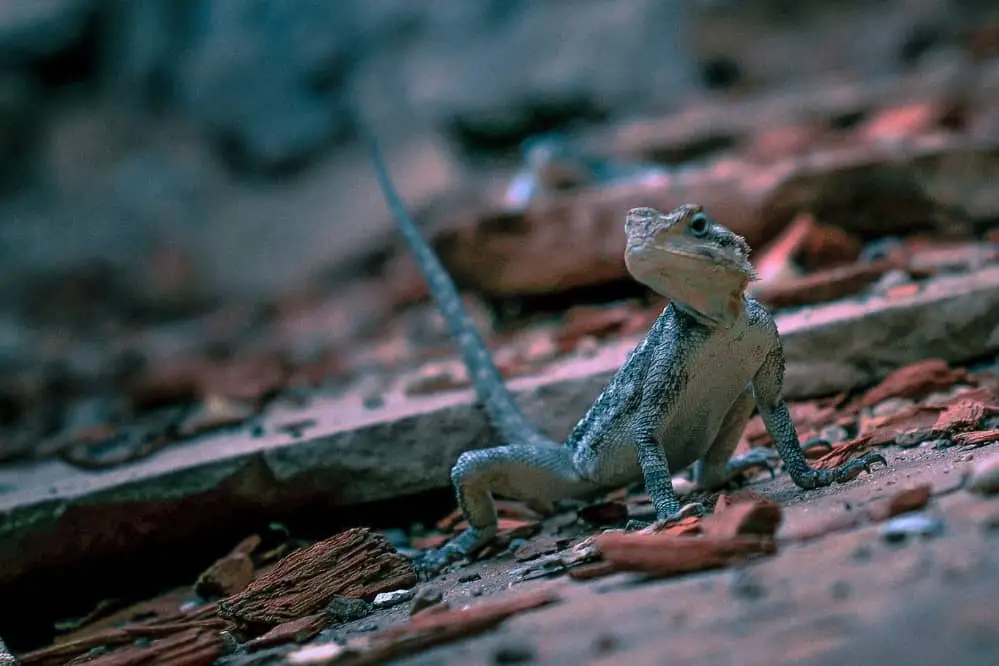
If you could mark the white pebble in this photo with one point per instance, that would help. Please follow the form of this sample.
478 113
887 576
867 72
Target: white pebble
386 599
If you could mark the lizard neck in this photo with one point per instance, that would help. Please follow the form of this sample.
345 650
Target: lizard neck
717 301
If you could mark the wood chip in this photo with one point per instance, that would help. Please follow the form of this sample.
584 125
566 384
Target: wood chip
915 381
664 555
845 452
904 501
227 576
976 438
358 563
755 518
295 631
439 624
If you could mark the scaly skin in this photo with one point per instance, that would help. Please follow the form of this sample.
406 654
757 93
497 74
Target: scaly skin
682 397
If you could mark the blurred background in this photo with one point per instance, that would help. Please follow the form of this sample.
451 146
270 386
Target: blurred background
196 150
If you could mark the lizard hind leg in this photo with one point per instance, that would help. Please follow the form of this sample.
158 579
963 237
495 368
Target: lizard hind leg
517 471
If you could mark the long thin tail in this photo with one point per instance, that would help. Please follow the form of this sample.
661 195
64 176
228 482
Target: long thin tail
504 415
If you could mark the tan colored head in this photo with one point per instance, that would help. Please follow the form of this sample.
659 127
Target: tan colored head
689 258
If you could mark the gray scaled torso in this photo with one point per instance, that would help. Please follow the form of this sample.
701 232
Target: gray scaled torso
711 367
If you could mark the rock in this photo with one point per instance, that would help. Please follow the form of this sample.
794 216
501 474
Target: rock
901 529
347 609
427 596
316 655
370 457
393 598
985 476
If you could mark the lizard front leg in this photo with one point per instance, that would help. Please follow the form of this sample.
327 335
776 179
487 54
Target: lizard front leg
767 385
519 471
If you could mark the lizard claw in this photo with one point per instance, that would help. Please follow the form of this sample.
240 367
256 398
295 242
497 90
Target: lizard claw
461 547
687 510
849 471
759 456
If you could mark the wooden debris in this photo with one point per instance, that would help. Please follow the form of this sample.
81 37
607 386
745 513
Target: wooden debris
358 562
759 518
845 452
190 642
976 438
962 415
904 501
664 555
440 624
230 574
295 631
915 381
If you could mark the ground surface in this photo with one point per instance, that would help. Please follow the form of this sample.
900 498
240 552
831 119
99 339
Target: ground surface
844 598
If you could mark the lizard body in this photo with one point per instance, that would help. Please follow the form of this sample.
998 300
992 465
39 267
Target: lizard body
682 398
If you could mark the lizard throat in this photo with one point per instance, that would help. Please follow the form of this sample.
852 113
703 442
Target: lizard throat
712 294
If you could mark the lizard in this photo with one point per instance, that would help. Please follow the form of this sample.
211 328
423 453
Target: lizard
681 399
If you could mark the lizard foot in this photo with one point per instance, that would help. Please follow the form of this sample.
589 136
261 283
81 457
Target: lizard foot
461 547
687 510
845 472
759 456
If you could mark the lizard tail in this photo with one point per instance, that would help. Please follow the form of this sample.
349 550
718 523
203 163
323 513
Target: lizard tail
503 412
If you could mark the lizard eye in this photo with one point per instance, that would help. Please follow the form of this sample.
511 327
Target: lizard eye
698 225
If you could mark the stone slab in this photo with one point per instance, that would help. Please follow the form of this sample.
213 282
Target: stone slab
52 515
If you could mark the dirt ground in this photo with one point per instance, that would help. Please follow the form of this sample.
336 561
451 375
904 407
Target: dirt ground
845 598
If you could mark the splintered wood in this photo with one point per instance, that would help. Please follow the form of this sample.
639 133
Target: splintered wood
439 624
356 563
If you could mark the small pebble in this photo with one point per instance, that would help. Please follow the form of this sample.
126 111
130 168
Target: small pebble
891 406
387 599
478 591
747 586
316 654
862 553
912 438
513 653
347 609
902 528
840 589
426 597
605 643
369 626
373 401
985 476
834 434
468 578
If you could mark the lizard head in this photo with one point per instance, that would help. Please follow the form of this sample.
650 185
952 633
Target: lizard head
689 258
